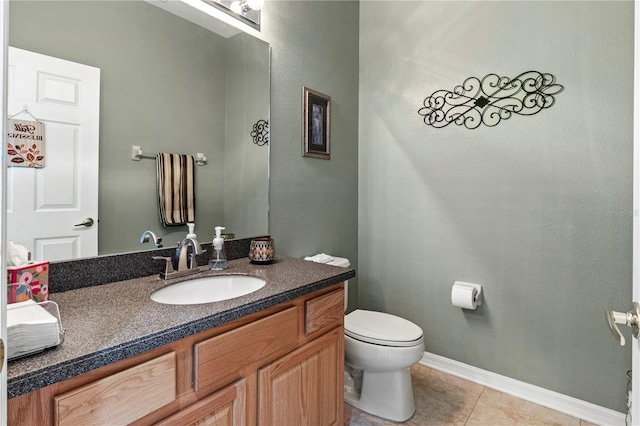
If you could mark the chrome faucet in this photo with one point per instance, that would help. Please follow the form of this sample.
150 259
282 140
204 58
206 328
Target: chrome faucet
146 235
187 263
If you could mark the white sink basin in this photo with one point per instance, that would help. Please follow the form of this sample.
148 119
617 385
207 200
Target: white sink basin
209 289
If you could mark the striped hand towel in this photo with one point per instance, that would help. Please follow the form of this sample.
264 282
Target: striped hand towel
176 195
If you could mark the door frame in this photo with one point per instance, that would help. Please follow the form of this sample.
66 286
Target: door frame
4 42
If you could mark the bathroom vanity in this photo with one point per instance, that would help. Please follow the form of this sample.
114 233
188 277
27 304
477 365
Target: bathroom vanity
271 357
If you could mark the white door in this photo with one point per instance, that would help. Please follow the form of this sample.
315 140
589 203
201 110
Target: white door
53 211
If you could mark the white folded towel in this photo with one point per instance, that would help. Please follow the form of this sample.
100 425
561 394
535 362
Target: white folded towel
320 258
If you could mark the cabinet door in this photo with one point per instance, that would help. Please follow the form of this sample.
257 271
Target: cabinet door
226 407
305 387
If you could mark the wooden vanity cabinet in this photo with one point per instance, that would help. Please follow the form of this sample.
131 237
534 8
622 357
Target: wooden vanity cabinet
281 366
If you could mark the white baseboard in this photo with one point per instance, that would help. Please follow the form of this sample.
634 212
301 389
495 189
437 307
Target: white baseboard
550 399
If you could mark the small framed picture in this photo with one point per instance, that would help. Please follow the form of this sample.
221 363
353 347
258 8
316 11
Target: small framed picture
316 120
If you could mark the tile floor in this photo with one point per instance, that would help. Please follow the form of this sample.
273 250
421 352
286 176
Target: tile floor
442 399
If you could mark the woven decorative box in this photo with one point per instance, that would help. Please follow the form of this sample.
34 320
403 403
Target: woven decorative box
26 282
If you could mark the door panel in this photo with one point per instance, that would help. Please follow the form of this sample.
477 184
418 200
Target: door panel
45 204
305 386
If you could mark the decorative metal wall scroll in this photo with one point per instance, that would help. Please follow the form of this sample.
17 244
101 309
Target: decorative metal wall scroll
260 133
490 100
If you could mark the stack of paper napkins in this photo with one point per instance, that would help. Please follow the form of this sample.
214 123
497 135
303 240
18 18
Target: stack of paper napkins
30 328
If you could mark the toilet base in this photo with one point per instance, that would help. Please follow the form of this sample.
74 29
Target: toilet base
385 394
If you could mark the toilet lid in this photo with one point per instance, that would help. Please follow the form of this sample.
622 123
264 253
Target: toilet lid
381 328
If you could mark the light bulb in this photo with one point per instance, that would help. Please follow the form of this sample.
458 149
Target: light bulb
255 4
236 6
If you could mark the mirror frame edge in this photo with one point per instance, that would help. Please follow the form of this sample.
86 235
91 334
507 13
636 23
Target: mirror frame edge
4 25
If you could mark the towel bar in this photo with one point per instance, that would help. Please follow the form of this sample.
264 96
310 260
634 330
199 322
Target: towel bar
137 155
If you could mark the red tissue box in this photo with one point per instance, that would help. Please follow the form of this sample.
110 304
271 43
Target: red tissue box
26 282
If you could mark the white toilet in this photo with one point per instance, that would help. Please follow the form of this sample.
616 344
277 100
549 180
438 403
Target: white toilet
379 350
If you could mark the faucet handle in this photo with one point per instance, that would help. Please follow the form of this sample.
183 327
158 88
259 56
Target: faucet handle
168 268
192 262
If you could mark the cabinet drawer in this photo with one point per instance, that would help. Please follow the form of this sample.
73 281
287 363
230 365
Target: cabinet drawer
122 397
218 360
325 311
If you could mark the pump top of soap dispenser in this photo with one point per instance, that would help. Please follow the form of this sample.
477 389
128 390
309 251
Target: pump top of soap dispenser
218 241
218 260
191 227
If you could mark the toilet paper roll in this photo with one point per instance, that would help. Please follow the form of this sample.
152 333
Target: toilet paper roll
466 296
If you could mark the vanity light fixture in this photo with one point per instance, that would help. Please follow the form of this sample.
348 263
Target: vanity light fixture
246 11
241 7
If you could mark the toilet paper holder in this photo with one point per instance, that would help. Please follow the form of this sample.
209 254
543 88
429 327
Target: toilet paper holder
477 294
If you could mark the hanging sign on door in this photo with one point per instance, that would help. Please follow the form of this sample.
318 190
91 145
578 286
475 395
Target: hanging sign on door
25 143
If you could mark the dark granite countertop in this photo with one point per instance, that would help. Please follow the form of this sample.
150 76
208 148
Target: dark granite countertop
115 321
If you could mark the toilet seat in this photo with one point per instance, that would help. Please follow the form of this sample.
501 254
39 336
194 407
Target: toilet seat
380 328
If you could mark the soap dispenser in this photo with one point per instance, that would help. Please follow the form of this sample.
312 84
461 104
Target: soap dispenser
218 260
192 233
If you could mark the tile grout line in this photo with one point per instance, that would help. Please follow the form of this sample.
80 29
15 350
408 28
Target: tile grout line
474 405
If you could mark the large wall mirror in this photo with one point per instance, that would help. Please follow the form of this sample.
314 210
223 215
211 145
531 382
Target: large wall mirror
166 85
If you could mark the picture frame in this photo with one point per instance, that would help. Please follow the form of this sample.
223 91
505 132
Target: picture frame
316 124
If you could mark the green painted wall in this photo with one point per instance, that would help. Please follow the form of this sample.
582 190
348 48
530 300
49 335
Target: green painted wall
314 203
536 209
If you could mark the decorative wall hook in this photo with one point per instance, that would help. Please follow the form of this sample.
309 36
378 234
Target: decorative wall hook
260 133
490 100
